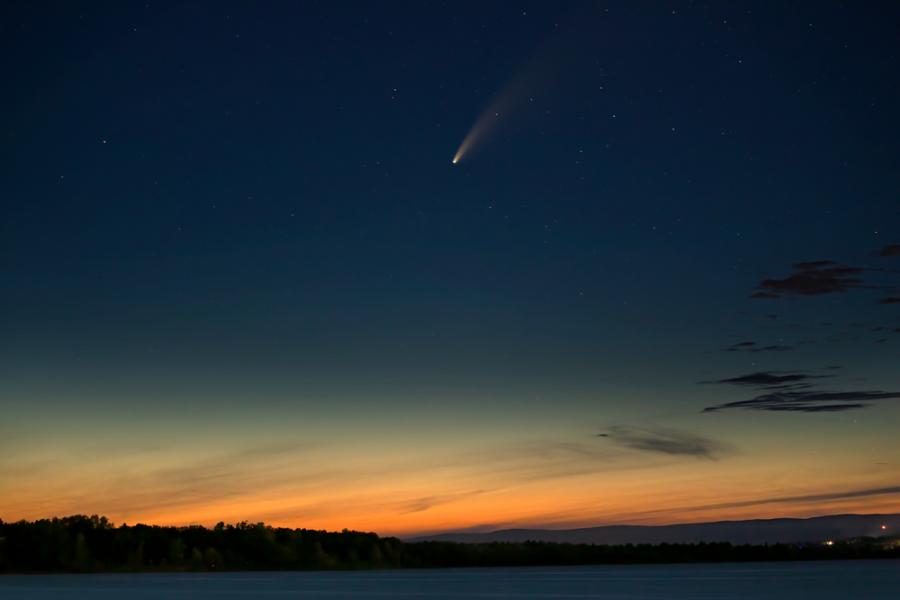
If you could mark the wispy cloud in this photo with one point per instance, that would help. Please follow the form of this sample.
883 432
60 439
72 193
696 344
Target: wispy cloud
665 441
426 502
813 278
787 500
796 391
820 277
754 348
767 378
194 482
798 499
808 401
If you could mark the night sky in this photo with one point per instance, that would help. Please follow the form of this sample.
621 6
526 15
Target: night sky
243 280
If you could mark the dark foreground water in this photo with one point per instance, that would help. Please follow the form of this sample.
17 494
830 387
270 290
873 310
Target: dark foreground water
770 581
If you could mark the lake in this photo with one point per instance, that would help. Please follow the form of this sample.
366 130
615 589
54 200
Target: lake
770 581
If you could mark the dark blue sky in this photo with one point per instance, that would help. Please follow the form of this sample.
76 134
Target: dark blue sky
241 207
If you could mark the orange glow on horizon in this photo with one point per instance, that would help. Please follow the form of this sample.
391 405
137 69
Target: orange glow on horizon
426 482
407 505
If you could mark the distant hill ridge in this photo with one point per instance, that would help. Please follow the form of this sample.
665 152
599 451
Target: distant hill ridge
756 531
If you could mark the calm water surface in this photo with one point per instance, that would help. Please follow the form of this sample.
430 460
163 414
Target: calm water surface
851 579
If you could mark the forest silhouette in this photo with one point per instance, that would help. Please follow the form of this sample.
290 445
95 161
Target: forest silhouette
93 544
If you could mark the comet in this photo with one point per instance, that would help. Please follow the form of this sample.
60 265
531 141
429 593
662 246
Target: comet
538 77
485 123
518 91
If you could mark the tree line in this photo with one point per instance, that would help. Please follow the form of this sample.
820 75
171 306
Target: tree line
93 544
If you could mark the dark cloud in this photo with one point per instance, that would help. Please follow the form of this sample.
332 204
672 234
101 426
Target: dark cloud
774 348
754 347
742 345
665 441
809 401
813 278
796 391
767 378
764 295
889 300
427 502
814 264
801 499
818 277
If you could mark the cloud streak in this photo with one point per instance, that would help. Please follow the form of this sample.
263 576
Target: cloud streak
792 499
808 401
792 391
665 441
813 278
768 378
755 348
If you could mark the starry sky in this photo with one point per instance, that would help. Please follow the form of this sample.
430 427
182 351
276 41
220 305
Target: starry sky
243 280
